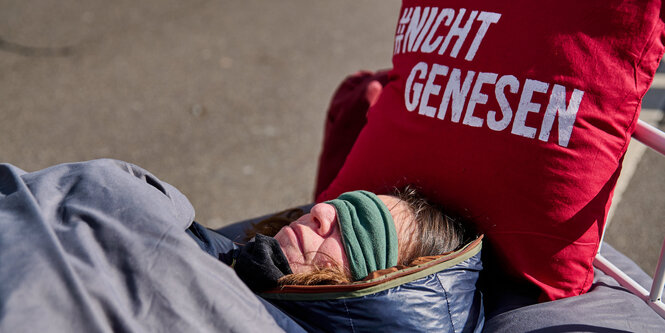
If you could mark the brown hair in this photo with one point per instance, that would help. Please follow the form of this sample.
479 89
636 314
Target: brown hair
436 233
318 276
271 225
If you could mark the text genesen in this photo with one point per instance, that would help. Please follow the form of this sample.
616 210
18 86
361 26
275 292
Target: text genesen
420 86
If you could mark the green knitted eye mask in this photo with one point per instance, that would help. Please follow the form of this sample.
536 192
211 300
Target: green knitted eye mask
368 232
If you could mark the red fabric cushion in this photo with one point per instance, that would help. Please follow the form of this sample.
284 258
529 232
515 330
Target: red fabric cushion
516 114
345 119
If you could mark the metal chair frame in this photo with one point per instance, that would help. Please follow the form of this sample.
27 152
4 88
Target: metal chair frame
655 139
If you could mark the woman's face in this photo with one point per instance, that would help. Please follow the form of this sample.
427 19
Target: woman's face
315 239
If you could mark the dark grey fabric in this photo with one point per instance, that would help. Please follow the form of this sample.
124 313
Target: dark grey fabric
100 246
607 307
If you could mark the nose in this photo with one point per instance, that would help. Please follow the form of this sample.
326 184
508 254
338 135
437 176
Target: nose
324 217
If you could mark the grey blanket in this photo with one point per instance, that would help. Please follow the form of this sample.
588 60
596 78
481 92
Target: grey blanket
100 246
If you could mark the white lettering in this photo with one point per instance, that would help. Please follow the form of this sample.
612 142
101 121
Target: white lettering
526 106
477 98
417 87
457 93
421 85
399 36
487 18
418 30
514 85
428 46
398 43
567 114
423 32
406 17
431 88
415 26
458 31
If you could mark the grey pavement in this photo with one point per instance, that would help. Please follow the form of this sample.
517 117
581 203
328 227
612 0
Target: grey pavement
223 99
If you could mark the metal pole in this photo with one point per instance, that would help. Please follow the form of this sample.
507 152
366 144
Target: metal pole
658 279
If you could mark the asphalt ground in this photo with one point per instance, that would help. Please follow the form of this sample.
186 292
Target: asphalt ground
223 99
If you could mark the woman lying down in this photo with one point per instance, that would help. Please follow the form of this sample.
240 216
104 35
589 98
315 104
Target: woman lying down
104 246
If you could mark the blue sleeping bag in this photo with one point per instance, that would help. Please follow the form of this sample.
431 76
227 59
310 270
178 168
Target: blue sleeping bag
437 295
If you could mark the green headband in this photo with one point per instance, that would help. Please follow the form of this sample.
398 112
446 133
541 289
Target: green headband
368 232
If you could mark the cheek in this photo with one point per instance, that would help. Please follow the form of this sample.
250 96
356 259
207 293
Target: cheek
332 252
281 239
291 252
